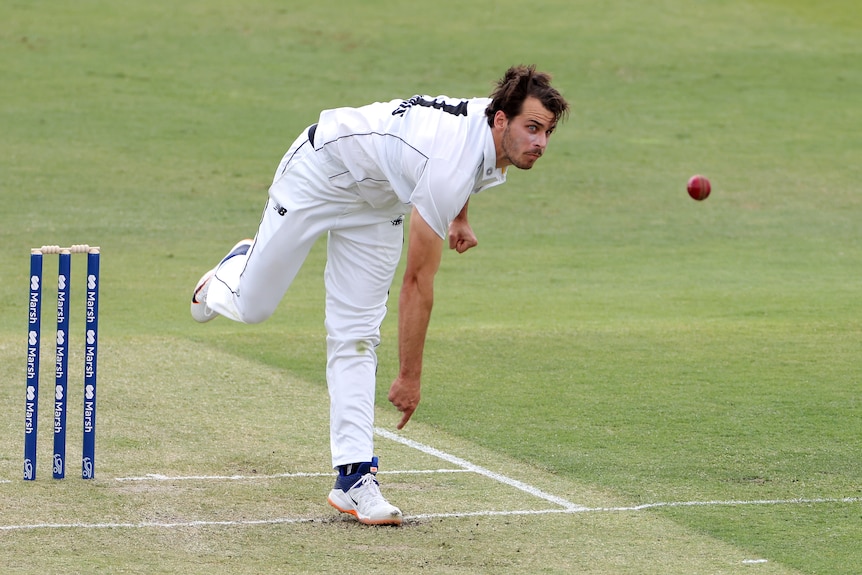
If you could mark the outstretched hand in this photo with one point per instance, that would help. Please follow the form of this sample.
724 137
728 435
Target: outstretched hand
404 395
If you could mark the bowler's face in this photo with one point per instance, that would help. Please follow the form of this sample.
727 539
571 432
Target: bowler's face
525 136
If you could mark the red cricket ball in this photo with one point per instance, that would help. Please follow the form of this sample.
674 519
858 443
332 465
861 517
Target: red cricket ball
698 187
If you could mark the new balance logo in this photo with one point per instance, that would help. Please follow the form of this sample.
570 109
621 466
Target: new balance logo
398 221
278 208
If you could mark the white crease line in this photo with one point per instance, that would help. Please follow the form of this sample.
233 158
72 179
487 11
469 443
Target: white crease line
255 522
509 513
480 470
157 525
730 503
643 507
159 477
299 520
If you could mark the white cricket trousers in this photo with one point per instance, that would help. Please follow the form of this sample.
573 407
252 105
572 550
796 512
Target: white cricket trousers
363 249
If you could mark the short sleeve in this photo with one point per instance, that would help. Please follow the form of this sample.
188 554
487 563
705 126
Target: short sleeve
441 193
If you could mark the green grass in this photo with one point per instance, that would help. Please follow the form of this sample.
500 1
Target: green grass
609 341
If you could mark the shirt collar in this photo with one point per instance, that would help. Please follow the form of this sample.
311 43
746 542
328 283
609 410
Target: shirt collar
489 174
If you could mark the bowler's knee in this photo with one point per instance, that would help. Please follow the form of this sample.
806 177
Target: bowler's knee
254 312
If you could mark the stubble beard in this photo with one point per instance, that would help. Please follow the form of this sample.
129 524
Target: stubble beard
520 162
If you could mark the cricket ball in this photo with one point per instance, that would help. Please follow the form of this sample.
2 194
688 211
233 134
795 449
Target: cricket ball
698 187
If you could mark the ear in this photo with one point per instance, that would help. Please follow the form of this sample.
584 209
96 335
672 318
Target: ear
500 119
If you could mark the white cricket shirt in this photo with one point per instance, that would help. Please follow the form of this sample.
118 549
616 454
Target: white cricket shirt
432 153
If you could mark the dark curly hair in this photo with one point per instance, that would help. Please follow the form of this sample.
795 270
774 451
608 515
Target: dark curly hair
516 85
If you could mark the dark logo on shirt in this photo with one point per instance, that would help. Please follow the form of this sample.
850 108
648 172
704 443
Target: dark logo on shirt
398 221
281 211
456 110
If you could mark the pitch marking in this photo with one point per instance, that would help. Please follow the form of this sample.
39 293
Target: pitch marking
568 505
298 520
465 466
159 477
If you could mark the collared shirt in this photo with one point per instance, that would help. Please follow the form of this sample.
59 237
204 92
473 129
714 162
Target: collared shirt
431 153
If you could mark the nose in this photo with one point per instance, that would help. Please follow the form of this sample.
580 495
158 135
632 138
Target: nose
542 140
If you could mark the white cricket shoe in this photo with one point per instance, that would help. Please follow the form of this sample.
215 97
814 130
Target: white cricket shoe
202 313
359 495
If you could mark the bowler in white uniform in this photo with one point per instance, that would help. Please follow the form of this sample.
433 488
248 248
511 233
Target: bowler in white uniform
354 176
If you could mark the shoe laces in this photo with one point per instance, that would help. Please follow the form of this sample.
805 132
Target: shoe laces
367 490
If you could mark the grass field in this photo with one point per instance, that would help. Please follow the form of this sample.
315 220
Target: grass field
618 380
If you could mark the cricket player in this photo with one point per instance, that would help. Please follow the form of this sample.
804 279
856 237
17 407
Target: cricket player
354 176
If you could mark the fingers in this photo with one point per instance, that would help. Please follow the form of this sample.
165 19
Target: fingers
405 400
406 412
463 245
405 418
